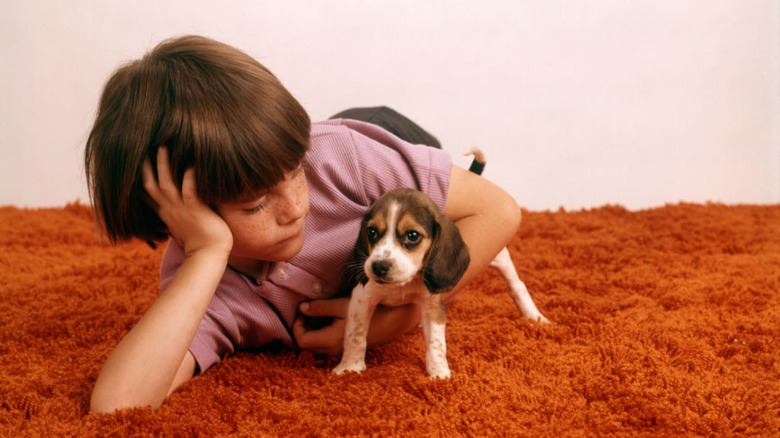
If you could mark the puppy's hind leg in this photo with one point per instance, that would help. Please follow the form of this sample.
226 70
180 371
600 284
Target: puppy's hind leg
503 264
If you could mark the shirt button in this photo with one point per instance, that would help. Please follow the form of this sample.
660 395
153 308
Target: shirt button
283 273
316 288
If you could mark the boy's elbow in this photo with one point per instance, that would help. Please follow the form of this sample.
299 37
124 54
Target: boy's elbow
102 404
106 401
516 214
512 214
100 408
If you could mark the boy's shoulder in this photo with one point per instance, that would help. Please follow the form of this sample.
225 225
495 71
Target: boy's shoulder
328 127
336 138
349 128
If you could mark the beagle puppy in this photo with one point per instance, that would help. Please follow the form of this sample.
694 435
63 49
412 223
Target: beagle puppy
411 252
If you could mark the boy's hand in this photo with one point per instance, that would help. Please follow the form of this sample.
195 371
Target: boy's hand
326 340
191 223
387 324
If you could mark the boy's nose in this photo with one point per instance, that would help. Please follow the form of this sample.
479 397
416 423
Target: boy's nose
295 204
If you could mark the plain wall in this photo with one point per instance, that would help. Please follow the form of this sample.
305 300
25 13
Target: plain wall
576 103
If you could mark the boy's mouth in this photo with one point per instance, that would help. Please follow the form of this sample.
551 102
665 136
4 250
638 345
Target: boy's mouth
293 236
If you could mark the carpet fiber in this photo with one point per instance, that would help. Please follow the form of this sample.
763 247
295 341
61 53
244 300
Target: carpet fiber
665 322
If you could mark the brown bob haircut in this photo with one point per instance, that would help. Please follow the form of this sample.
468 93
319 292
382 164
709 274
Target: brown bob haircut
213 107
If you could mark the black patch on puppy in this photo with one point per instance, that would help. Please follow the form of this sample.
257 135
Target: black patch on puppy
448 257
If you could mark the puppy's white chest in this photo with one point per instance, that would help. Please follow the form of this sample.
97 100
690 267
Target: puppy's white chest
394 295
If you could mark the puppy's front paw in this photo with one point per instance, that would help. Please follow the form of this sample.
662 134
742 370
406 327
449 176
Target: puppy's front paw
539 318
355 367
439 372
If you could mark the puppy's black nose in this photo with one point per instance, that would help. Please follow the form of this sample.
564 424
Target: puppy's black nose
381 267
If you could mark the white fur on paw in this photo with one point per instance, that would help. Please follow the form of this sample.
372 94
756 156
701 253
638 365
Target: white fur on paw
439 373
540 319
438 369
355 367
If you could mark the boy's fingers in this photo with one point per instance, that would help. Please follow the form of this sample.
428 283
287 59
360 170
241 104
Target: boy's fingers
151 186
164 178
327 340
188 185
336 307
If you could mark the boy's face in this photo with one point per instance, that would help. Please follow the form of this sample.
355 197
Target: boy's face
270 227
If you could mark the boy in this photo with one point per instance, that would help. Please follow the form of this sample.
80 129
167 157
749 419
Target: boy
199 143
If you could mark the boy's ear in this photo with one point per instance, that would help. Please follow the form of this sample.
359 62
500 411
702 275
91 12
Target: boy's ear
448 257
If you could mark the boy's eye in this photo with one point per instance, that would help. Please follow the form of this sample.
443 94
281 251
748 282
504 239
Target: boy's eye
260 206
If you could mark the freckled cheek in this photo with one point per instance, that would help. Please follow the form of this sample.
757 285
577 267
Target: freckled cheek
252 234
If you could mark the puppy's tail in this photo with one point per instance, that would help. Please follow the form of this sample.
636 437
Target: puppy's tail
478 165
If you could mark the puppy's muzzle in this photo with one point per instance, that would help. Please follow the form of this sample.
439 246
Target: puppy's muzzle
380 268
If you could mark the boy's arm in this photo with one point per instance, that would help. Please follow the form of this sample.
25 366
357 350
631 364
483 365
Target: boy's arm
152 359
141 369
487 218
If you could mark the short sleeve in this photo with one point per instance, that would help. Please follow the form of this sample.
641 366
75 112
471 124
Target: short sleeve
376 161
241 314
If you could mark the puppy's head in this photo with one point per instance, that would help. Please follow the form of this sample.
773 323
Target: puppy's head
404 234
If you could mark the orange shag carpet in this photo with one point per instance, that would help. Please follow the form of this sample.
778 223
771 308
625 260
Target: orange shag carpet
665 322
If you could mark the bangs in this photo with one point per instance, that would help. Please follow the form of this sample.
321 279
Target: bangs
235 124
229 171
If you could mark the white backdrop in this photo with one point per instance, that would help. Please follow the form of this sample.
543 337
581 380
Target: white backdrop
577 104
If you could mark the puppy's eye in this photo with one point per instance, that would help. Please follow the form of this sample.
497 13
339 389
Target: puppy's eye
412 238
372 234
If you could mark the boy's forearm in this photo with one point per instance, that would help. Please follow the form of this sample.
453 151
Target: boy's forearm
141 370
487 218
484 240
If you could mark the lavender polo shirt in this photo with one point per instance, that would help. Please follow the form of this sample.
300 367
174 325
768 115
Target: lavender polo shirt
350 165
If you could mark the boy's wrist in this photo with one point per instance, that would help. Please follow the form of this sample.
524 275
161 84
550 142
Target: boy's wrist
208 259
216 255
216 248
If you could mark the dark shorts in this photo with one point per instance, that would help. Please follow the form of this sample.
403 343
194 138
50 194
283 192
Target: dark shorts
392 121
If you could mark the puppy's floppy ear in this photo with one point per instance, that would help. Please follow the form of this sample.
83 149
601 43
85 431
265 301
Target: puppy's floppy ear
448 257
354 274
361 246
